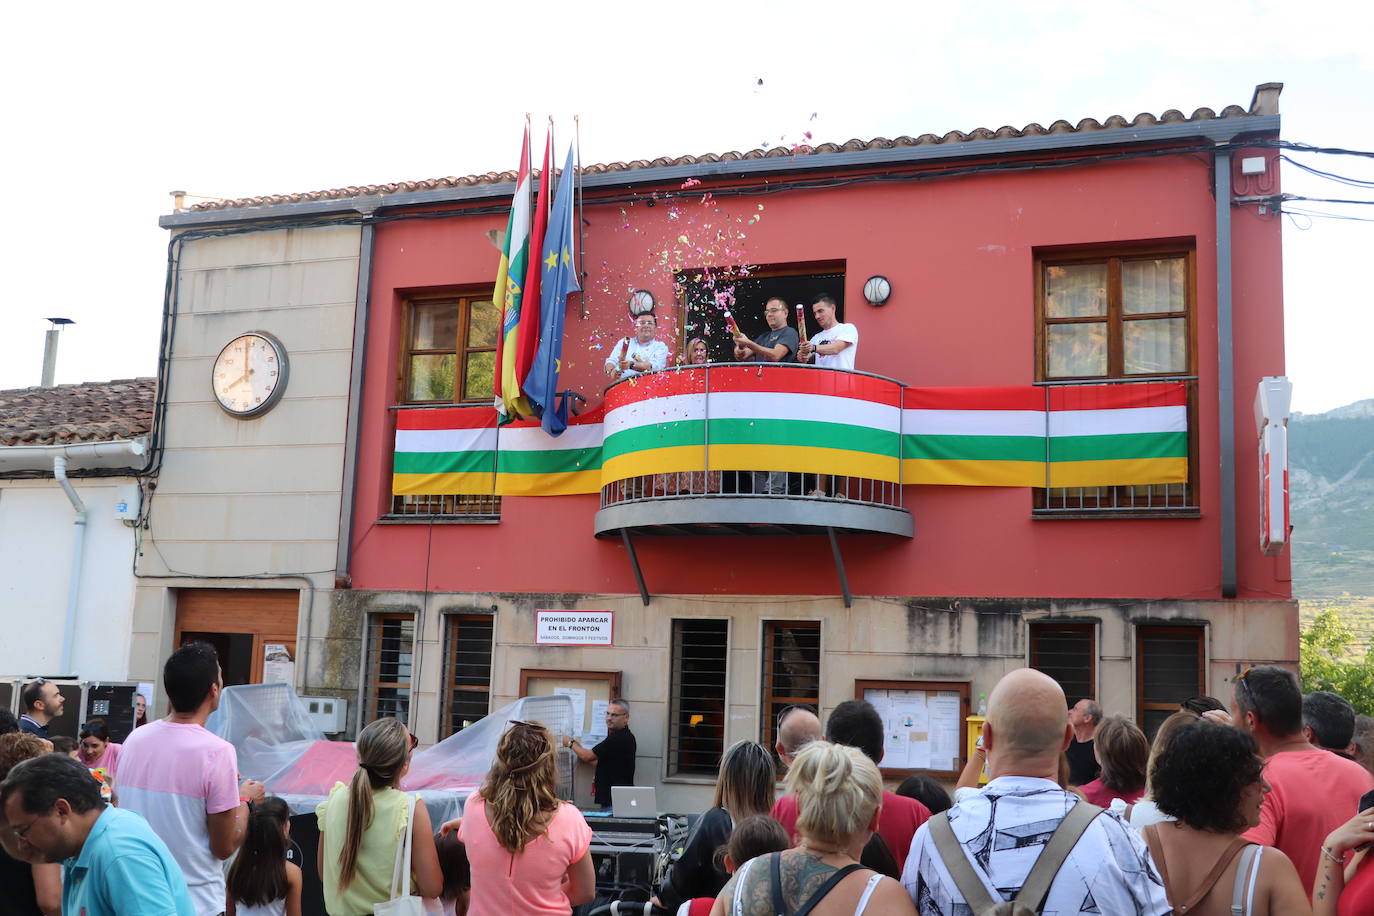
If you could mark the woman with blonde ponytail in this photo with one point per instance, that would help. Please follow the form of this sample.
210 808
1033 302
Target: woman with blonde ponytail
363 824
839 794
529 852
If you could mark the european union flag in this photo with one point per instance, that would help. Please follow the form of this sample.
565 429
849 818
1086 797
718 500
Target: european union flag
558 278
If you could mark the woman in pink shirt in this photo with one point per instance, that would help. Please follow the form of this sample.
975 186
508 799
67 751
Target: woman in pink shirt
98 752
529 852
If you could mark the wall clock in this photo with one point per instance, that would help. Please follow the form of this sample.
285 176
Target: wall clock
249 375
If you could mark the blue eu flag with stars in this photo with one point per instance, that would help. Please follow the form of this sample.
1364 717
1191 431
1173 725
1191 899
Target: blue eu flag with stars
558 278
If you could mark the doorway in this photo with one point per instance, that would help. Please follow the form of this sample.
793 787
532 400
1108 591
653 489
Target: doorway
253 630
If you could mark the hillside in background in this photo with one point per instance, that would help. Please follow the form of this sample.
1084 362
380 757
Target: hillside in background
1331 480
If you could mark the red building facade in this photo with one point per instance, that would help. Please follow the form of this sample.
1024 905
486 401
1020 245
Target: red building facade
1023 259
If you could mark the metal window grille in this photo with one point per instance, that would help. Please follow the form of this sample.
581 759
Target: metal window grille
1136 499
390 648
462 507
696 737
1169 670
791 670
1065 652
467 670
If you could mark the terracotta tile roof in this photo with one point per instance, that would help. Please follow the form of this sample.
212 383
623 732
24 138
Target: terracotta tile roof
88 412
1115 122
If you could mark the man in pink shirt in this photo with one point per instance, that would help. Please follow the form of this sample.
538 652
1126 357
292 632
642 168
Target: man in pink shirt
855 723
184 780
1313 790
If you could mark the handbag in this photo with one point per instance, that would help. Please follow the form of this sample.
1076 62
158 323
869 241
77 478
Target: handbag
402 903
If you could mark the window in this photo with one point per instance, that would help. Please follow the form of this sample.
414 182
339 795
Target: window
1168 670
450 354
696 736
1111 315
390 644
467 670
458 507
791 670
1066 652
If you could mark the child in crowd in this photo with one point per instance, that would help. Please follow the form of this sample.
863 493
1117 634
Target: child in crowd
64 745
755 836
261 882
453 862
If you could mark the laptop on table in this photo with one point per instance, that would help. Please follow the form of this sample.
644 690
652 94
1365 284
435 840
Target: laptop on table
634 801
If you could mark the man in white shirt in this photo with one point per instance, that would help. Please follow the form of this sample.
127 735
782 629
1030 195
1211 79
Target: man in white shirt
837 344
633 356
1003 829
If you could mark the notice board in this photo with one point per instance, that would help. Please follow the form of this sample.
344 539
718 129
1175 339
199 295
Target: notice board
923 725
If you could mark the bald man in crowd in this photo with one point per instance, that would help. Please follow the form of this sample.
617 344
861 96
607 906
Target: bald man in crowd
1003 829
797 727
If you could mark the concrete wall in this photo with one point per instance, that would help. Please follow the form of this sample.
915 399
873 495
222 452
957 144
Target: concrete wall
36 540
252 503
967 639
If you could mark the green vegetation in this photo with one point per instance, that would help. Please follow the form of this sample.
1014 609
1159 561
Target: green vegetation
1336 652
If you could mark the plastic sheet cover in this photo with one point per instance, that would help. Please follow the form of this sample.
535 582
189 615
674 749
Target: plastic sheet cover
278 745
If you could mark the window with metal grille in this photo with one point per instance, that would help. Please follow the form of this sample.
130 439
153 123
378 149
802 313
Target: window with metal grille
791 671
1066 652
467 669
479 507
1118 315
1169 670
390 644
696 727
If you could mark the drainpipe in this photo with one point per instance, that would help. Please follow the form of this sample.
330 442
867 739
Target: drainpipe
1226 401
59 472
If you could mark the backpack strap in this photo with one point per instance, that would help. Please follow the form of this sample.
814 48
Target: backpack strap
775 881
1056 851
957 863
827 887
1151 835
1212 876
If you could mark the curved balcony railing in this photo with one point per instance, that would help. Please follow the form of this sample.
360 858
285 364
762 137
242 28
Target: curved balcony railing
745 448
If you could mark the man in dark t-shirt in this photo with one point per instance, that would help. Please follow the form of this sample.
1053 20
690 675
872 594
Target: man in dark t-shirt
1083 766
614 755
776 345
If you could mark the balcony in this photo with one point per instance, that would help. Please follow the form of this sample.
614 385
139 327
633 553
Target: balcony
752 450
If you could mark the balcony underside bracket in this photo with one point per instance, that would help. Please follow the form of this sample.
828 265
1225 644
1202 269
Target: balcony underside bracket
839 567
634 564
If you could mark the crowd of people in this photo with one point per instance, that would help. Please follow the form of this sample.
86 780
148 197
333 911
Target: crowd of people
1262 807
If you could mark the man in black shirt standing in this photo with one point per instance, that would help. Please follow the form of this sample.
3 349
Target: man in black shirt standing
1083 766
614 755
776 345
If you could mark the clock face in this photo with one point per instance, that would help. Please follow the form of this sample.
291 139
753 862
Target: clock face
249 374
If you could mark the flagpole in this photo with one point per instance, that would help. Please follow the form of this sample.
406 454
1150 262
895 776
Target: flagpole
581 219
553 145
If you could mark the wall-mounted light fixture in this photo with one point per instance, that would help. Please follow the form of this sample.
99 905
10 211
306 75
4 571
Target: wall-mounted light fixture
641 303
877 289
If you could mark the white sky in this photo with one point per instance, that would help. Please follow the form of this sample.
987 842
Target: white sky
107 107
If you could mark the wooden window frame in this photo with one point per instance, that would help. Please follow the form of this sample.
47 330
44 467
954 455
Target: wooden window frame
1090 627
610 677
674 754
963 688
461 352
453 627
372 660
1115 321
1196 632
769 699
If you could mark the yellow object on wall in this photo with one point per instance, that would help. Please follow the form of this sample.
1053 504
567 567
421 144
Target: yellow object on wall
973 728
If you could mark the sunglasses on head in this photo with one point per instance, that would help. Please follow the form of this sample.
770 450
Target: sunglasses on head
1245 686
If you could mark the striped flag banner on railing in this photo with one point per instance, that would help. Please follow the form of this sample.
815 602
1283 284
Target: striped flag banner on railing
808 421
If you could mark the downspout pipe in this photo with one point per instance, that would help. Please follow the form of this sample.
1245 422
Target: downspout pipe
59 473
1226 371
